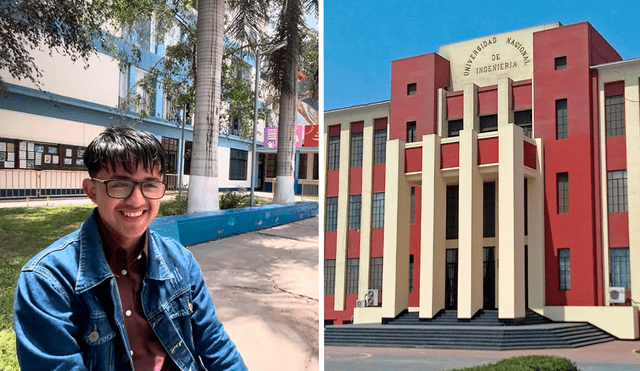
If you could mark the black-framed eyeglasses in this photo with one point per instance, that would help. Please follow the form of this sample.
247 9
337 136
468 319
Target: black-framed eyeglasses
117 188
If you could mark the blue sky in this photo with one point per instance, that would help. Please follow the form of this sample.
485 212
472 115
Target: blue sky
361 38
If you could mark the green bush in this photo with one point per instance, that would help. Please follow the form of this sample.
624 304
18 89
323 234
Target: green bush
528 363
177 206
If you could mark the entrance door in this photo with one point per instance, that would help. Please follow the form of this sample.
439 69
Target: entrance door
451 284
489 278
526 276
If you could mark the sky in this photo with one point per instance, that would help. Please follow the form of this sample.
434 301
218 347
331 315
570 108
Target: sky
362 37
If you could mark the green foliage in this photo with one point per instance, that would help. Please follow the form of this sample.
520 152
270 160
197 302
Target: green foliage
527 363
8 360
239 199
177 206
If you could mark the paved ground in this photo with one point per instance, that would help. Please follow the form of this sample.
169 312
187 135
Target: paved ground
265 288
612 356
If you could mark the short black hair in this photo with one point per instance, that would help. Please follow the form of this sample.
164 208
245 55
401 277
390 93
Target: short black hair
127 147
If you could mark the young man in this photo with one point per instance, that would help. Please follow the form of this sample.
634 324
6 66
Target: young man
114 295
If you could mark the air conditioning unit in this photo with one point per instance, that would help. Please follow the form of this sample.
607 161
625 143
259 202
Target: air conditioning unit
617 295
372 298
361 303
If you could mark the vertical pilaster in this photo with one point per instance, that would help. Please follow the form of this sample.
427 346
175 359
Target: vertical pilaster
395 274
343 218
535 190
632 120
505 92
432 241
471 119
443 127
365 222
511 303
470 254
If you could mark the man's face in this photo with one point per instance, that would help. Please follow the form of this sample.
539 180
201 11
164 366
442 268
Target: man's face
126 219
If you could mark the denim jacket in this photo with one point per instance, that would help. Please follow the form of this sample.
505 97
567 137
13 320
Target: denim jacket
61 323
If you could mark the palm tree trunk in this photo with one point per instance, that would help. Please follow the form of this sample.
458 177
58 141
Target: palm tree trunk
284 191
203 181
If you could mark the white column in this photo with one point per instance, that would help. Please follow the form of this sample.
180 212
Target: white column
365 221
343 218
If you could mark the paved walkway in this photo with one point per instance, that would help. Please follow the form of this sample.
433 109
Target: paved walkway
265 288
612 356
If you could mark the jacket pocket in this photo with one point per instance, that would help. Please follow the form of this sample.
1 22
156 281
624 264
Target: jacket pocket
99 338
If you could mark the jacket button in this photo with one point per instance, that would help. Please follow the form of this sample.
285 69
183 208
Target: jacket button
94 336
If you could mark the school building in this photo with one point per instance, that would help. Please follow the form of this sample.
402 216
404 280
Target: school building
503 173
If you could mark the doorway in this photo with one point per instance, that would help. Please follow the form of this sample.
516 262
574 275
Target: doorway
489 278
451 283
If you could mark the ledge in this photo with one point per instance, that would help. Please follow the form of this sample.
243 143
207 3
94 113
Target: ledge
191 229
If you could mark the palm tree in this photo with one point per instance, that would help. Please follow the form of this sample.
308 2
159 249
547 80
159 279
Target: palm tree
284 67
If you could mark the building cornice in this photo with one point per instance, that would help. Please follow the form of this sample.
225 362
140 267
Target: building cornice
617 65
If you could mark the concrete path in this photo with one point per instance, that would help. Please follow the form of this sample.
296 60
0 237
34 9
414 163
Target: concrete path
612 356
265 288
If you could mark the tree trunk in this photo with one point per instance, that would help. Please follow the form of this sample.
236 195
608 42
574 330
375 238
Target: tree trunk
284 191
203 181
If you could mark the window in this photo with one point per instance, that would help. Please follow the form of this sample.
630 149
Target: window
454 127
561 63
620 271
378 210
238 165
334 152
235 126
331 214
452 212
562 180
411 132
353 269
315 166
143 34
375 275
564 269
380 147
123 88
412 88
302 166
411 273
488 123
188 152
614 115
561 119
524 119
526 207
489 209
617 191
330 277
171 146
272 165
356 149
413 205
354 211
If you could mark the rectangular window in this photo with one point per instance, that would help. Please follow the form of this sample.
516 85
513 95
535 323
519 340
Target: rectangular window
334 153
413 205
272 165
380 147
375 275
377 220
356 149
330 277
526 207
316 166
620 271
562 130
412 88
454 127
171 146
410 273
489 209
614 115
411 132
302 166
353 269
452 212
561 63
563 192
354 211
617 191
524 119
238 164
488 123
564 269
331 214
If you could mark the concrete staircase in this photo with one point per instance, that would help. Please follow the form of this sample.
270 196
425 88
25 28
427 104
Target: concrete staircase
484 331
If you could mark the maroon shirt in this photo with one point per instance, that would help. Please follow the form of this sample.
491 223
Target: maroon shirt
129 267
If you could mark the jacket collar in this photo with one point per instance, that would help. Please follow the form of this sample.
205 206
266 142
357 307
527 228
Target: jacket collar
93 268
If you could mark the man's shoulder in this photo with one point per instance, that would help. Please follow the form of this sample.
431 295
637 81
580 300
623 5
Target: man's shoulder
60 253
168 246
